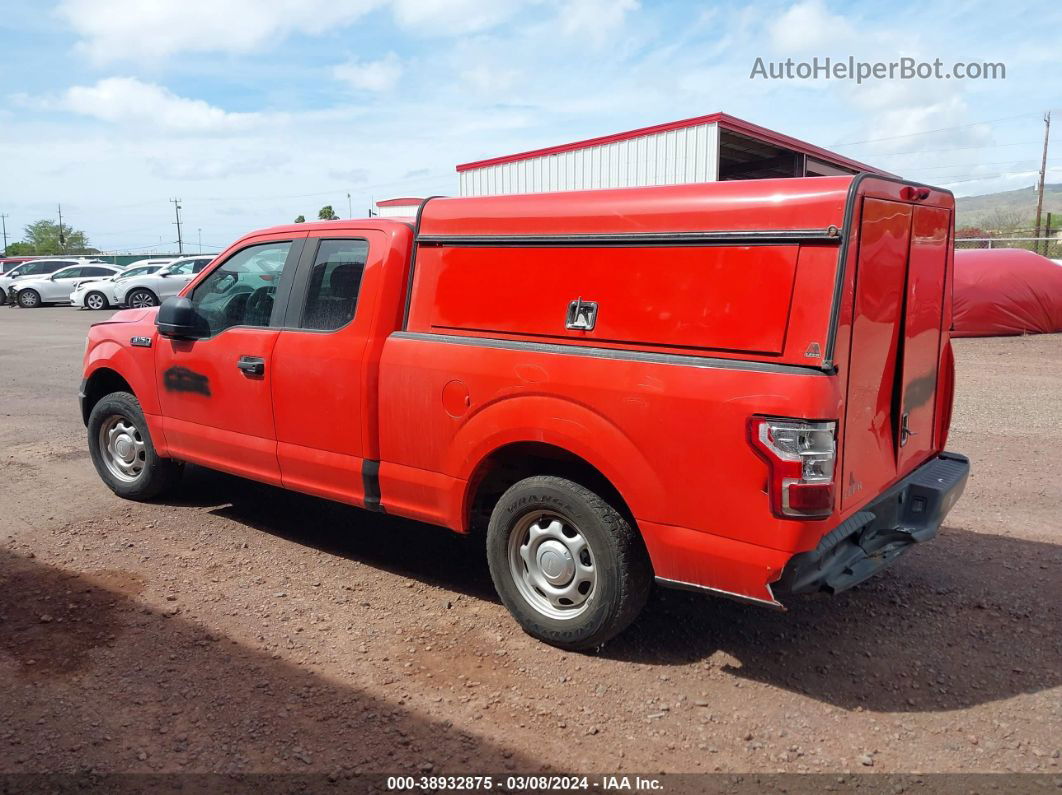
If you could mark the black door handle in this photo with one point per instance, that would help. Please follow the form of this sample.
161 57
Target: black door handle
251 365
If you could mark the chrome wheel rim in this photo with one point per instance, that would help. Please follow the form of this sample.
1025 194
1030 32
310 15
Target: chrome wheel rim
29 298
94 301
141 300
552 565
123 448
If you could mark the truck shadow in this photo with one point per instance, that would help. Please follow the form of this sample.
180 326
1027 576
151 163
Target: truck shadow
432 555
966 619
95 681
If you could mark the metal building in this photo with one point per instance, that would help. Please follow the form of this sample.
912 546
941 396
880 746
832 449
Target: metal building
405 206
702 149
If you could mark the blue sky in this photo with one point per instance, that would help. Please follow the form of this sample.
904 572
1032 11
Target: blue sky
253 111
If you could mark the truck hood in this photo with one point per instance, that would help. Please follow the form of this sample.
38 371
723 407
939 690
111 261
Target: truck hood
131 316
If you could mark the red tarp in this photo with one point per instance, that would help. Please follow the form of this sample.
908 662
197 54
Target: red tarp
1004 291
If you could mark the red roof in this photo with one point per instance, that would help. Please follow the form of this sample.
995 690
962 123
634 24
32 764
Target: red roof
725 122
407 200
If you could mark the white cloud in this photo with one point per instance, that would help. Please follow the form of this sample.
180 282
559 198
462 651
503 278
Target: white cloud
595 20
128 100
381 75
809 26
487 79
115 29
449 17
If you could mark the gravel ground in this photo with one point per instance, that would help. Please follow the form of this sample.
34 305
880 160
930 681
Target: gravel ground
236 627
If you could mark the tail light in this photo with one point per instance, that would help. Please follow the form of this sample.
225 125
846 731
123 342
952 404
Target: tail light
800 456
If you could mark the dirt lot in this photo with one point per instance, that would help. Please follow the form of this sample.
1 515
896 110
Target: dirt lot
235 627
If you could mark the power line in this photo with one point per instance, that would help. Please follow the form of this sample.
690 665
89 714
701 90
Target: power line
952 149
939 129
992 163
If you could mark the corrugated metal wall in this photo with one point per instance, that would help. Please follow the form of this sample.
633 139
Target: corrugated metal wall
674 157
397 211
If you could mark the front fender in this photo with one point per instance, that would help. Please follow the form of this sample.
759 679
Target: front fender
136 366
562 423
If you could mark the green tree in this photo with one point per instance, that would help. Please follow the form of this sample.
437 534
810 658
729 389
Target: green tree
300 219
45 237
327 213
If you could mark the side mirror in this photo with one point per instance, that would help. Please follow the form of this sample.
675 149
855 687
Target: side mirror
178 319
163 274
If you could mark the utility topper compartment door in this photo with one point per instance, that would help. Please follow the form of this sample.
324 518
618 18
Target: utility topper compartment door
728 298
869 432
924 312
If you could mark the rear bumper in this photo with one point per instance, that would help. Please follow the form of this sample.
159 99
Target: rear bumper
871 539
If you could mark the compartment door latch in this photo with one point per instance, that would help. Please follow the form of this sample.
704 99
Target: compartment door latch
905 429
582 315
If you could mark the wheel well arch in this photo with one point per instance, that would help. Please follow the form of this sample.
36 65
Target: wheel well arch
515 461
102 382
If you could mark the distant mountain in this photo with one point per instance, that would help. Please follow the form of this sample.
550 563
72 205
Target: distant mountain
1009 209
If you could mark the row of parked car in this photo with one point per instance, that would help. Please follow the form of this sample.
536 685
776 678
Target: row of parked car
94 284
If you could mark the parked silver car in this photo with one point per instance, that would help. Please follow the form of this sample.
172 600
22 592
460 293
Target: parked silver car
37 268
34 291
99 294
153 289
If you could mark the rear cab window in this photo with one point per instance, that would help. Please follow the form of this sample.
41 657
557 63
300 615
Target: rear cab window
334 283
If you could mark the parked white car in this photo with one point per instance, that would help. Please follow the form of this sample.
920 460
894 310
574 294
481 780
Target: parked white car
151 290
37 268
34 291
99 293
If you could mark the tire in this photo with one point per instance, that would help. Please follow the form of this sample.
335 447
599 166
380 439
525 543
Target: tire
3 297
128 465
535 550
29 299
97 298
141 298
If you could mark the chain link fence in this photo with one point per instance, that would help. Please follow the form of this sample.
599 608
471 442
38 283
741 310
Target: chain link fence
1047 246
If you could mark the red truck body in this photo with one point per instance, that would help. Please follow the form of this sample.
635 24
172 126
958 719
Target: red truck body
637 341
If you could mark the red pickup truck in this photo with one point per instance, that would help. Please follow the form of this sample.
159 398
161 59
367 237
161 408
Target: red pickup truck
738 387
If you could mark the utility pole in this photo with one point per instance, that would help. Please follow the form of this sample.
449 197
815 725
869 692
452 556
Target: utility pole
177 211
1043 176
3 219
200 231
62 239
350 209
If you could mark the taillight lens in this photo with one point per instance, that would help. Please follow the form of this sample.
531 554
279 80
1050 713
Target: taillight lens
800 456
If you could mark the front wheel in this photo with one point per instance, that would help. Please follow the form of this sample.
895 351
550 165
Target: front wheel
567 565
141 299
29 299
96 300
122 450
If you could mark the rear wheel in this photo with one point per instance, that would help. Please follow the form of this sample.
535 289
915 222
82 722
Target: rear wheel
142 299
567 565
29 299
122 450
96 300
